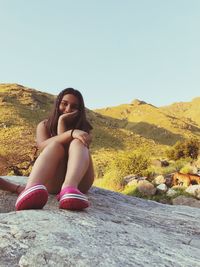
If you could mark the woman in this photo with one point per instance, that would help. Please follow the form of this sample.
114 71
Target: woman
64 166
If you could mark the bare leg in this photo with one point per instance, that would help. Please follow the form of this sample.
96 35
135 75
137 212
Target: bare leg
11 187
54 185
51 165
79 164
46 164
87 179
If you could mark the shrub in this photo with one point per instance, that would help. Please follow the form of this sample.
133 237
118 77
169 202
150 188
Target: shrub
186 169
184 149
130 163
125 163
113 181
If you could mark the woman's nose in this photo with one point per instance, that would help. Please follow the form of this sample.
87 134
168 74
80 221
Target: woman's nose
68 108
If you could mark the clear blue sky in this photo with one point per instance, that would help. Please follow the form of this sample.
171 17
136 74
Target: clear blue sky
113 51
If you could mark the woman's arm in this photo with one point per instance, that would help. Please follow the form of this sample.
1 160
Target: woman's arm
43 137
11 187
84 137
64 120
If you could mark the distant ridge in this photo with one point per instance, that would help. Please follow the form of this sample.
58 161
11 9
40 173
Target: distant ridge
137 102
165 125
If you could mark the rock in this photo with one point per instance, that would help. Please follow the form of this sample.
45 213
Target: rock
188 201
115 231
146 188
168 179
171 192
133 182
160 179
161 188
160 163
156 162
194 190
164 163
138 102
129 178
133 179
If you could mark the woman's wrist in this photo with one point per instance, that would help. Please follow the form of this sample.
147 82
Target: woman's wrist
72 133
18 189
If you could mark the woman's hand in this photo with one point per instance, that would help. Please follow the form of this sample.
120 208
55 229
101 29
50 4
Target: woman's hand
68 116
84 137
64 120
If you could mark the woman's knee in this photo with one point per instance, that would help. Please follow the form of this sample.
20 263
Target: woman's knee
76 143
56 148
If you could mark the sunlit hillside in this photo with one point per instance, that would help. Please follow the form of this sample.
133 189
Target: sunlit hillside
163 125
189 110
138 127
21 109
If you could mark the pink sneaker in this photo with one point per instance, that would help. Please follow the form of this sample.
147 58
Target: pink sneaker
34 197
71 198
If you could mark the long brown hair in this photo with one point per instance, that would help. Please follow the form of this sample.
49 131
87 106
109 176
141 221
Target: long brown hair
80 122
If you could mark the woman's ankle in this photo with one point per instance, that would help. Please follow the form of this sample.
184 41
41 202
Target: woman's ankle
69 186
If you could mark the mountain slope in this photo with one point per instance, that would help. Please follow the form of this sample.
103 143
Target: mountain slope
20 109
159 124
189 110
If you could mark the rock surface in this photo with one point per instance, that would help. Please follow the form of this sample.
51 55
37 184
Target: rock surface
194 190
187 201
116 230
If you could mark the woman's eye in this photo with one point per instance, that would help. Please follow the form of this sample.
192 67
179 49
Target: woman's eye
72 106
64 104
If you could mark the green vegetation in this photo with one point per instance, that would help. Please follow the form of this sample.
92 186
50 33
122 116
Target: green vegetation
123 164
184 149
21 109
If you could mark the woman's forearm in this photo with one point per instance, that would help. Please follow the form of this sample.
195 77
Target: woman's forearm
11 187
61 126
63 138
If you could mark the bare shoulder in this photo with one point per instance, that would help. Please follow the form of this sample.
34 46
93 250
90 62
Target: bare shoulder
42 126
42 123
42 132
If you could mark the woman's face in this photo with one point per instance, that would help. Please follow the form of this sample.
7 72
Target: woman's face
68 104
